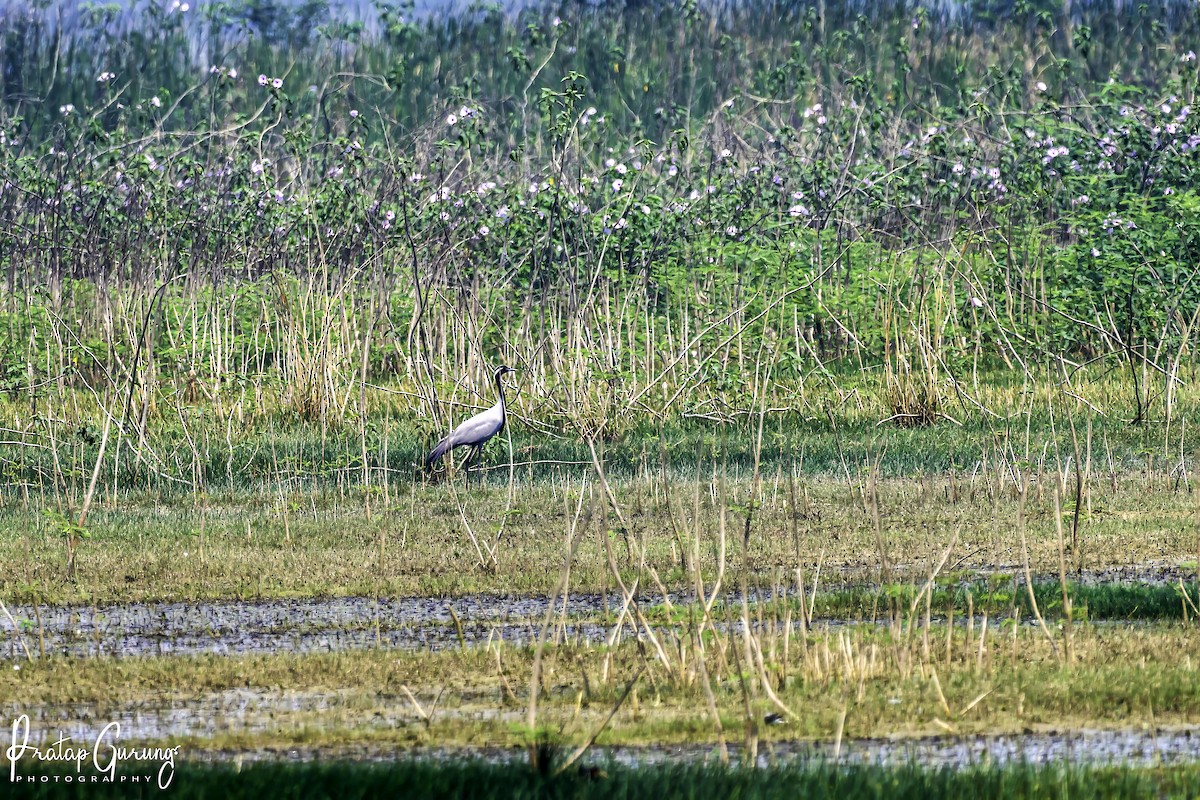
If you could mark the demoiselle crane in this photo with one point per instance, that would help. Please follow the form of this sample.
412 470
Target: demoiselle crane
476 431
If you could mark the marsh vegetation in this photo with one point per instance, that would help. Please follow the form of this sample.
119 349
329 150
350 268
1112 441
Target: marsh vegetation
856 387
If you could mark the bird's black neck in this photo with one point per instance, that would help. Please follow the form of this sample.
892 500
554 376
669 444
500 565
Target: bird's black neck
500 388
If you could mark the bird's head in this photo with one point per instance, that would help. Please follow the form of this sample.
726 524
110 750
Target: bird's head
503 370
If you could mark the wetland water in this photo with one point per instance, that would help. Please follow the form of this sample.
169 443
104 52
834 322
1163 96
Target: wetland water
253 712
239 627
332 624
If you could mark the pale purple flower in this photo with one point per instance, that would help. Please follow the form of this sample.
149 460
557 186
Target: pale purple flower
484 230
1041 86
277 83
262 80
617 185
451 120
154 101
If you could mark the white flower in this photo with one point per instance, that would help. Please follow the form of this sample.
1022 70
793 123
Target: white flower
354 113
1165 108
277 83
105 77
233 73
66 110
451 119
484 230
621 169
262 80
726 153
1188 57
556 22
154 101
798 211
1041 86
732 230
617 184
977 302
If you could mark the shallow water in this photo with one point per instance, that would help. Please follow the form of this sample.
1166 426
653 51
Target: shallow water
330 624
238 627
254 712
299 626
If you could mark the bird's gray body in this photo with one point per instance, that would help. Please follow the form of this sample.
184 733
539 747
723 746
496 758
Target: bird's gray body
476 431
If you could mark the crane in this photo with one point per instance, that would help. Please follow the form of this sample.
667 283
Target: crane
476 431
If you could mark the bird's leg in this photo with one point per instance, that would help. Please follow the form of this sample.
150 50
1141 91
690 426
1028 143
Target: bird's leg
472 458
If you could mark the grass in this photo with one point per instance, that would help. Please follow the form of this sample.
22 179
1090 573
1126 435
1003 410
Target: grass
322 543
898 681
236 312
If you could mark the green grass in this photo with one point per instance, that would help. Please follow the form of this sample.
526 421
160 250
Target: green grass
1006 595
325 542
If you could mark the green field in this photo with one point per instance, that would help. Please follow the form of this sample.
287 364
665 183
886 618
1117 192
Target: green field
855 393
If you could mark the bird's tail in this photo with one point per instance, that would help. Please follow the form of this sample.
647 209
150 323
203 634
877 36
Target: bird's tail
437 453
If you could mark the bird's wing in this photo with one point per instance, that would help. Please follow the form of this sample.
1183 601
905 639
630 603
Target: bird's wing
479 428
